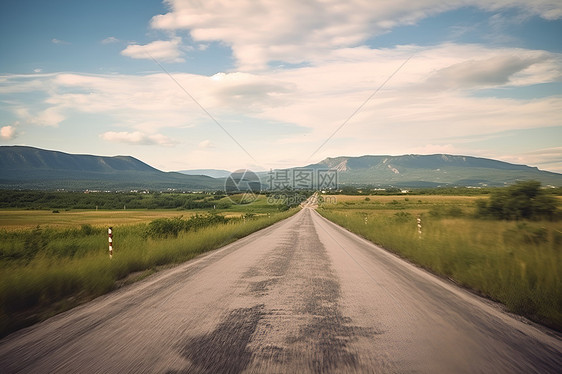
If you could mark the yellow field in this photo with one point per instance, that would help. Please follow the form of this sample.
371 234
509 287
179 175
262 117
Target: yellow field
22 219
424 199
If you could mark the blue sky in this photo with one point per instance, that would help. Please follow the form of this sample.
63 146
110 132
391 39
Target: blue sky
263 84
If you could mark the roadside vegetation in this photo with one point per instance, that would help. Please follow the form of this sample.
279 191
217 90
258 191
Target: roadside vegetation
46 269
506 246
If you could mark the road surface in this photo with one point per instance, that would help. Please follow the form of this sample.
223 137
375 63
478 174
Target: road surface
302 296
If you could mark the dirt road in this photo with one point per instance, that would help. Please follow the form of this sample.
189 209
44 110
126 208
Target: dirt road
302 296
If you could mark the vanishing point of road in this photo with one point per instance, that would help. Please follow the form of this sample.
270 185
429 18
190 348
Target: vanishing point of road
301 296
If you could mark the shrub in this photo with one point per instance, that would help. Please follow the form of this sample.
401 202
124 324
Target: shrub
87 229
165 227
402 217
523 200
171 227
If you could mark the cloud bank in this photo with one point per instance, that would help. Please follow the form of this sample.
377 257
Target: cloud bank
297 31
429 105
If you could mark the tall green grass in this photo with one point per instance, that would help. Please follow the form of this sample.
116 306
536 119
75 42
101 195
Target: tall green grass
515 263
46 271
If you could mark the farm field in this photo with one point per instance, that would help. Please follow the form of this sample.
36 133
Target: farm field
515 262
27 219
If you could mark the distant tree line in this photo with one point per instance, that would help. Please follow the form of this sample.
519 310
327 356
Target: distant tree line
385 191
109 200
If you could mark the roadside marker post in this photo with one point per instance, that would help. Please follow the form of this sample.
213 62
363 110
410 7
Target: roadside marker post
419 226
110 237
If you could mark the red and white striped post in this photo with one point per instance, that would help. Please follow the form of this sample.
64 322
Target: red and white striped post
110 235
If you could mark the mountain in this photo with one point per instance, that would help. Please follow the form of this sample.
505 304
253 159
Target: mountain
431 170
214 173
34 168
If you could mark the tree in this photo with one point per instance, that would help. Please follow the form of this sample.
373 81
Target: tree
523 200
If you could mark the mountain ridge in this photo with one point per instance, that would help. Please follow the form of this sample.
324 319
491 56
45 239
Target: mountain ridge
434 169
23 167
37 158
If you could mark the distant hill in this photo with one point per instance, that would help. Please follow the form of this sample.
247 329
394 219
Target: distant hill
34 168
214 173
432 170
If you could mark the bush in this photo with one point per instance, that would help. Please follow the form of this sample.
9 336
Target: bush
403 217
171 227
523 200
87 229
165 227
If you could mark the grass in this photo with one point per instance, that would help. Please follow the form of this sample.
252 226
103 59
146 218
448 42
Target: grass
516 263
46 270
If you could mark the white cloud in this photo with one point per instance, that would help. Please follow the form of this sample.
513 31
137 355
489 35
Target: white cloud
161 50
250 91
205 144
38 70
298 31
110 40
8 132
547 9
58 41
138 138
293 31
51 116
490 72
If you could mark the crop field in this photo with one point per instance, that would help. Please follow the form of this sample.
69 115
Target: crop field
27 219
515 262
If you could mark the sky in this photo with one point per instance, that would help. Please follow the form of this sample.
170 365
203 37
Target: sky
261 84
